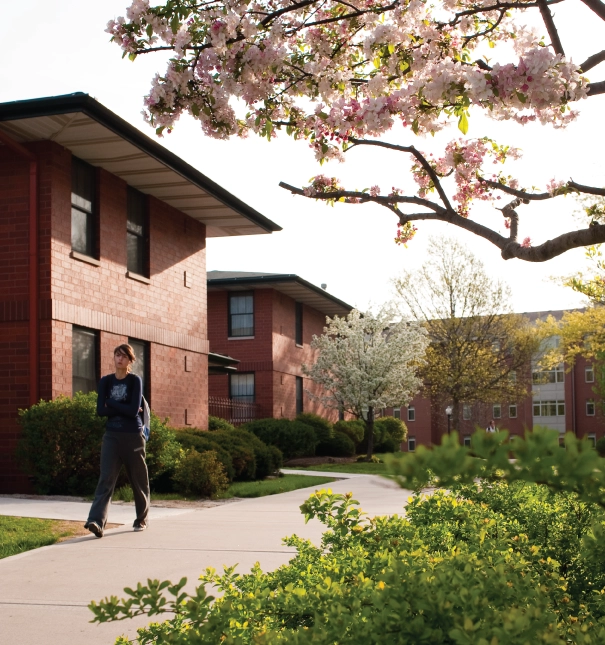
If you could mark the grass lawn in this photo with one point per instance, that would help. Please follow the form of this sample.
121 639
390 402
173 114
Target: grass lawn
19 534
355 467
273 486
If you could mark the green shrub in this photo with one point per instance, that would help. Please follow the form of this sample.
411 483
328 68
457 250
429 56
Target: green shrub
201 441
163 451
600 446
495 564
337 446
388 444
293 438
200 474
353 429
242 454
396 428
216 423
269 459
60 444
323 428
373 459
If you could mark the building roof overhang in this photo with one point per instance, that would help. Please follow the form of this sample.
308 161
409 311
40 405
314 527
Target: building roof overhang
289 284
220 364
95 134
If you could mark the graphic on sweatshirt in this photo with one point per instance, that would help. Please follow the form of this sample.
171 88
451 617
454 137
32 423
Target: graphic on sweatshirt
118 392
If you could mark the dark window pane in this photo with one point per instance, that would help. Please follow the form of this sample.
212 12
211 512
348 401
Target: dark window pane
82 184
136 212
299 323
135 249
241 315
82 209
139 367
82 232
242 387
84 360
299 395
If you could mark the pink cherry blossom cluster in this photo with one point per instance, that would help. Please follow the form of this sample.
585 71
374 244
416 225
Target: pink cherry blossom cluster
405 232
464 160
321 184
392 63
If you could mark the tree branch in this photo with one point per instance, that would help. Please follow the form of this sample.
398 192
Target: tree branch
418 155
366 197
596 88
597 6
593 61
550 27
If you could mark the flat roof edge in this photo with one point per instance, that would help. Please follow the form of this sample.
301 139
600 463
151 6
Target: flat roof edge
287 277
81 102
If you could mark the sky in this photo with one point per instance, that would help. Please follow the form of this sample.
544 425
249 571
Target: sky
53 48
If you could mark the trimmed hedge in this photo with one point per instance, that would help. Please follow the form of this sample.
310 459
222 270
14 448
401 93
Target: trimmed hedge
337 446
244 455
323 428
216 423
293 438
353 429
200 440
600 446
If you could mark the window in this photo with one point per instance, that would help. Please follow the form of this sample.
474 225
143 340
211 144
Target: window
84 345
549 376
466 412
496 346
411 444
241 315
341 415
512 411
397 413
549 408
299 323
593 440
411 413
241 387
590 408
299 395
589 374
136 233
83 220
497 411
467 440
512 376
141 366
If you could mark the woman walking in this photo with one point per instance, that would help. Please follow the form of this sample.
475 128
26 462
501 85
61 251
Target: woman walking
119 399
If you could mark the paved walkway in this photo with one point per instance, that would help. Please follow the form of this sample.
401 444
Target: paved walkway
44 593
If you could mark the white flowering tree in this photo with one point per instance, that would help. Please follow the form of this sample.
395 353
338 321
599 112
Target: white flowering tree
367 362
339 73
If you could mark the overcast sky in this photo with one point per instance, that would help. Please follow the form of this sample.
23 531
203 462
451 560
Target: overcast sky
51 48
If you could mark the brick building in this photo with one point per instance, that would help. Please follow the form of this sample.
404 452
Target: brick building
102 241
560 399
267 321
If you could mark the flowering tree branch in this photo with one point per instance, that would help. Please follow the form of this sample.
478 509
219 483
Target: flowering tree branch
341 73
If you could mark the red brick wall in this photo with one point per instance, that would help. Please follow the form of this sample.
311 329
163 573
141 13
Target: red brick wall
14 310
165 313
272 354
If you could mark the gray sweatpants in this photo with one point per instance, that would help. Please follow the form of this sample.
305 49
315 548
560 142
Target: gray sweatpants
119 448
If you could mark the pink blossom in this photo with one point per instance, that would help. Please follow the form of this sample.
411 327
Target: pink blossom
526 243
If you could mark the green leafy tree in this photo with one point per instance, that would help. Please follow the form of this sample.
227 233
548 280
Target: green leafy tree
479 351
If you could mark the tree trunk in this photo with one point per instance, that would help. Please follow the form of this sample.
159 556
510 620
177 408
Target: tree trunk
370 433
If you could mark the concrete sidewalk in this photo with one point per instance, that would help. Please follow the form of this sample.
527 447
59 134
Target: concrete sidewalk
44 593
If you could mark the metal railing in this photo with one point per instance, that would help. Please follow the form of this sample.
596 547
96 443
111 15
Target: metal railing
236 412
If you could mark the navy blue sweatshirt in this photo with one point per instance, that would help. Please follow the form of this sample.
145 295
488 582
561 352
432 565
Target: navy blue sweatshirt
119 400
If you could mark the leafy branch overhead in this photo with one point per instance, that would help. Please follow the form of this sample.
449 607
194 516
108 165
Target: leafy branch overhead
339 74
